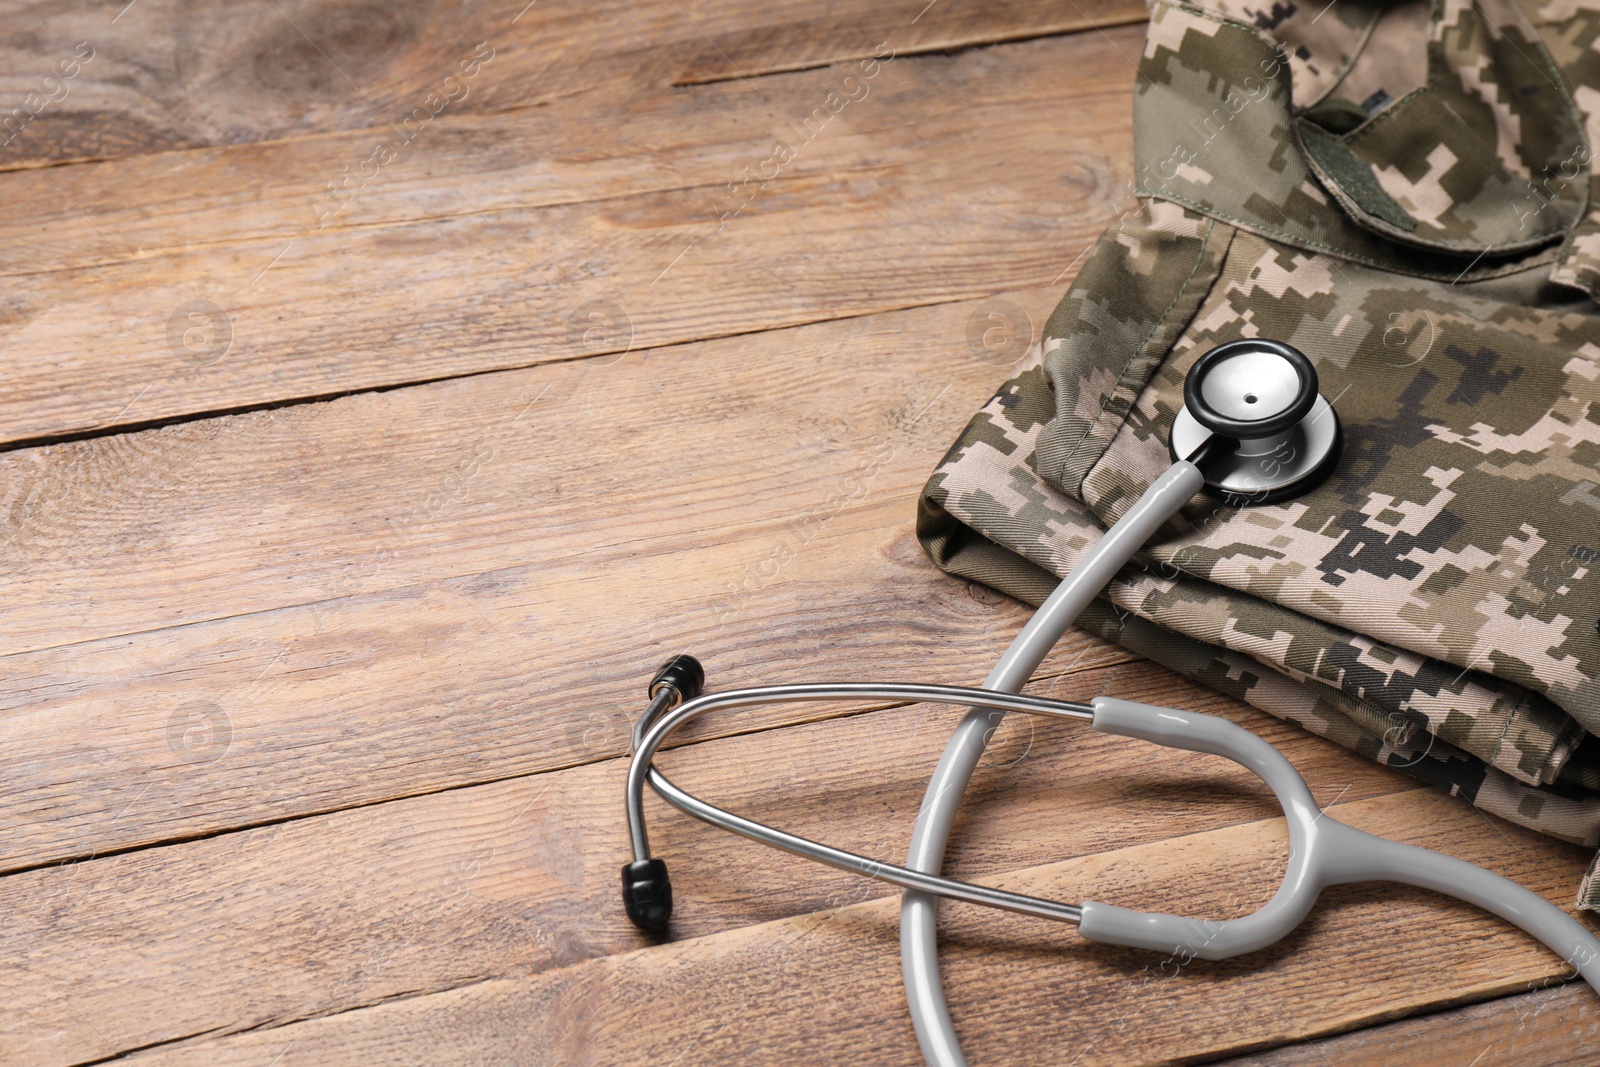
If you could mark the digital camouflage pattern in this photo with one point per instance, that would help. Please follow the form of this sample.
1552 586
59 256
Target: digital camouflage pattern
1402 191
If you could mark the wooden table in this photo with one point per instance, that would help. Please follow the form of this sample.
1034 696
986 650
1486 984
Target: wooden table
389 387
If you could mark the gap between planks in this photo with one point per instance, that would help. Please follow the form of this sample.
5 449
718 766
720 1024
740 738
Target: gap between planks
362 617
1555 1027
356 907
158 78
303 311
1011 981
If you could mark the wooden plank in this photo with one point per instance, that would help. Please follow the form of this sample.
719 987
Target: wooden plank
401 592
165 735
900 117
793 34
825 988
324 914
1552 1027
947 181
564 467
89 81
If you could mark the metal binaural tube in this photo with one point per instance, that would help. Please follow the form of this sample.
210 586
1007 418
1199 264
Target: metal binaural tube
855 863
655 726
664 699
663 727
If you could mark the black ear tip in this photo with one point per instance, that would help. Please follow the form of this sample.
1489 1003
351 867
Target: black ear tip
647 894
683 673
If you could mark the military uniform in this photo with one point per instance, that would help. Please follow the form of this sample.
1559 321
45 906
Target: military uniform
1403 192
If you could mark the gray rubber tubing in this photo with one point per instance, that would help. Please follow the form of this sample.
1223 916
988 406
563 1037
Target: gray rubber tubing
1322 851
1343 853
919 948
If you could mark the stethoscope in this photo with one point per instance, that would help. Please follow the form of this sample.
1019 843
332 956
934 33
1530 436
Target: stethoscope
1253 429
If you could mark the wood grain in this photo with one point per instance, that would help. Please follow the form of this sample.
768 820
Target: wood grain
324 914
1022 991
394 593
314 715
503 243
1557 1027
904 114
793 34
561 468
163 75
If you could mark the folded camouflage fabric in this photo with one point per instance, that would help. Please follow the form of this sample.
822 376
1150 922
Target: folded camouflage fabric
1403 193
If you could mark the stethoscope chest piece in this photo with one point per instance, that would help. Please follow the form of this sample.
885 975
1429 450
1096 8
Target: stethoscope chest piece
1253 428
1260 397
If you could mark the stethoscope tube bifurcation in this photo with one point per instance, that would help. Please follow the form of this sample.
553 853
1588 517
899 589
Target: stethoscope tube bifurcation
1254 428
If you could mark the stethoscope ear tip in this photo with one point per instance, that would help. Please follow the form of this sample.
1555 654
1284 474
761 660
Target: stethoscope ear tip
683 675
647 894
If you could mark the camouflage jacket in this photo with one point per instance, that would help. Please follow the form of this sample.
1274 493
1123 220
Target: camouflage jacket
1403 192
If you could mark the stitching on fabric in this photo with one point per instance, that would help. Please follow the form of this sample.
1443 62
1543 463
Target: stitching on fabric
1301 241
1582 132
1435 16
1554 74
1219 20
1559 749
1205 244
1395 108
1222 270
1524 706
1311 679
1587 223
1355 54
1505 726
1560 82
1307 134
1388 112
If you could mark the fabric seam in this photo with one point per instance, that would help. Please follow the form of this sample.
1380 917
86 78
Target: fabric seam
1277 47
1389 112
1435 16
1300 241
1386 228
1355 54
1222 269
1200 257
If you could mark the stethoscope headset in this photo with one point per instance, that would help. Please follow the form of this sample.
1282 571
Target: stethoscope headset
1253 429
